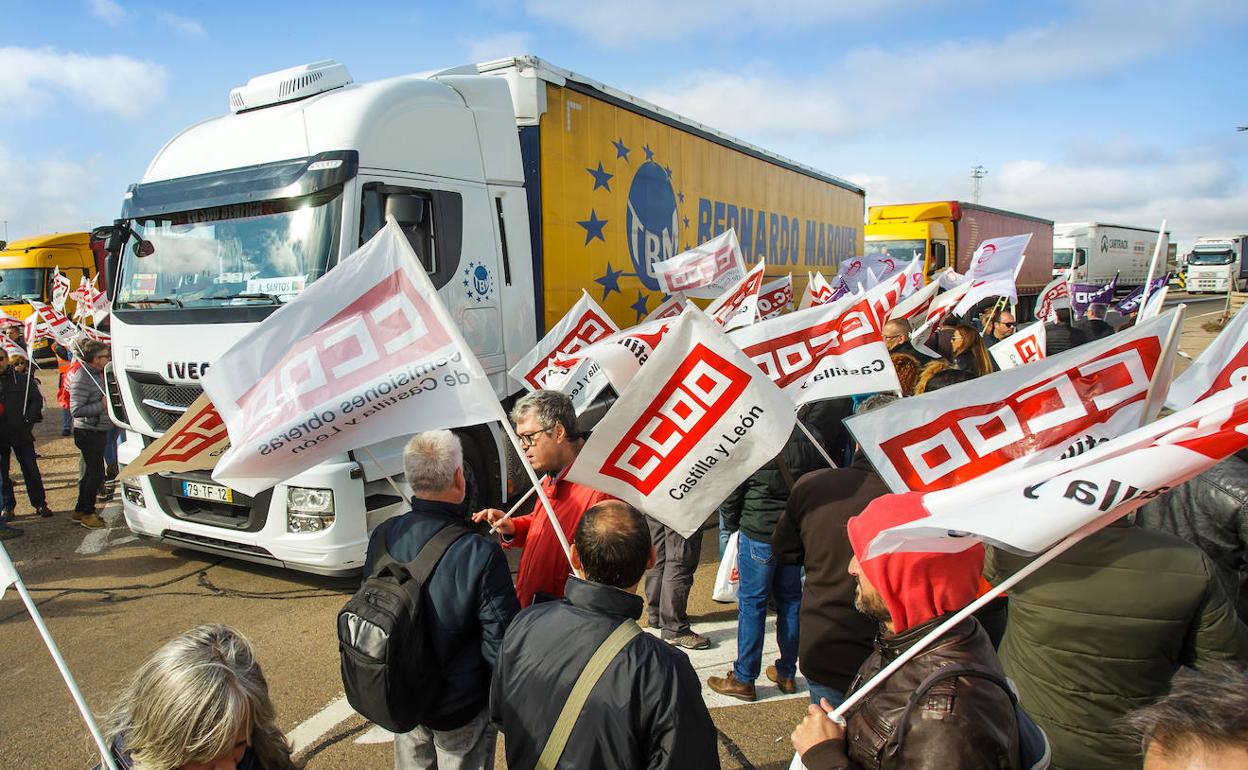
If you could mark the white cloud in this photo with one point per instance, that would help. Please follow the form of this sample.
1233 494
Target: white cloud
631 21
115 83
48 195
181 24
108 11
498 46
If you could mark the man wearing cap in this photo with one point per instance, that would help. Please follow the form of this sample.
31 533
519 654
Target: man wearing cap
945 707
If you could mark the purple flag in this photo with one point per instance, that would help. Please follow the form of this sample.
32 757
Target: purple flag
1132 302
1084 294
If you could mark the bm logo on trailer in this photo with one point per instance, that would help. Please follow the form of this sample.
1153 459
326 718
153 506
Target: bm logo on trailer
652 221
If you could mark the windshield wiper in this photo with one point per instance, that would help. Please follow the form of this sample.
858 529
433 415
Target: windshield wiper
157 301
273 298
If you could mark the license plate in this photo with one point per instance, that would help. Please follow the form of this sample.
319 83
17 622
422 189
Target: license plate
213 492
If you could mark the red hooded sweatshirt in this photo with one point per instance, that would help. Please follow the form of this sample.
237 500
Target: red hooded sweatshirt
916 587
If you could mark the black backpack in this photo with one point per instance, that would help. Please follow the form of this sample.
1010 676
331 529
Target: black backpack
382 645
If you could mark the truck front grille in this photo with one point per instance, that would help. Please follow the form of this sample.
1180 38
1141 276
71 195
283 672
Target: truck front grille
161 402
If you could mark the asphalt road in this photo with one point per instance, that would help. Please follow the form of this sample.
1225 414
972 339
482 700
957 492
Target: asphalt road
110 600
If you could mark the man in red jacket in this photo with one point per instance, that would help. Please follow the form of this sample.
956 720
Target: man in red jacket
546 425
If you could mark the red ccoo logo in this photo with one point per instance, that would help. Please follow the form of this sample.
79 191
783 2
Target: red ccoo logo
589 328
203 432
792 357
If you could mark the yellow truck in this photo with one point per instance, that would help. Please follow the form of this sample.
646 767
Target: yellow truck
26 270
946 234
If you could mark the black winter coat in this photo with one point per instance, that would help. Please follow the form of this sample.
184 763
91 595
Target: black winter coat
1058 338
645 712
472 603
756 505
1210 511
1094 328
14 425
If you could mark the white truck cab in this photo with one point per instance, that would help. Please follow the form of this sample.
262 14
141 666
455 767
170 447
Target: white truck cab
1216 264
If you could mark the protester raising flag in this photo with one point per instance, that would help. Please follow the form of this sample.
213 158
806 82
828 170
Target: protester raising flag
994 268
58 324
364 354
775 297
1084 294
1067 403
194 443
1030 509
705 271
1052 297
1022 347
1222 365
583 325
738 306
829 351
1131 303
694 424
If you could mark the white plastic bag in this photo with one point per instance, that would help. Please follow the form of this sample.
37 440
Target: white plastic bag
726 579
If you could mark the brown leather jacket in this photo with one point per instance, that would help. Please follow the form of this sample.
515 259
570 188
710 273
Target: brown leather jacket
964 722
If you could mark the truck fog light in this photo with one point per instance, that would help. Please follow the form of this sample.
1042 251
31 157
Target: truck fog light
133 495
308 509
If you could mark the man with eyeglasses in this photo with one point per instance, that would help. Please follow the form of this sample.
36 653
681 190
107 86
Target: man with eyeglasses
546 426
1000 326
897 338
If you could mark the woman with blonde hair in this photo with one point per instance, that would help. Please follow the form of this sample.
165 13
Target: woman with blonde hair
199 702
969 353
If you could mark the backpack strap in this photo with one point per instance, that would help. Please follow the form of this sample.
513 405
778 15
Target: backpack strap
421 567
938 676
575 703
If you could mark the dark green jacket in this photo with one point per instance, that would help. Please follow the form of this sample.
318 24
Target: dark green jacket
1100 630
756 505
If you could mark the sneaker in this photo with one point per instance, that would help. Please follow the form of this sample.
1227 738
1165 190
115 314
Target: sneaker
728 685
90 521
44 512
8 533
690 640
785 684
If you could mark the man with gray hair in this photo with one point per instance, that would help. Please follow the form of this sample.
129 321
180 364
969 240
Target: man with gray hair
1200 725
1094 326
546 426
471 603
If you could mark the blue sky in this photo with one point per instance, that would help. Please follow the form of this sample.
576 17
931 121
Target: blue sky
1118 111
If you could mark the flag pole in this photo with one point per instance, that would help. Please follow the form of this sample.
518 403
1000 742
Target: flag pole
515 507
382 471
962 614
1168 349
537 485
1152 265
6 566
801 426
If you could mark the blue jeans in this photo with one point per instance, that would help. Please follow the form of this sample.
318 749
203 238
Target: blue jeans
761 577
817 691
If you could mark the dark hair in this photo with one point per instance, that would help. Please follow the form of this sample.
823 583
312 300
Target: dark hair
946 378
1063 315
91 348
1205 709
613 542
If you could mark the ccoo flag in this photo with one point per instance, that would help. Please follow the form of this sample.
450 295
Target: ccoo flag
364 354
194 443
1052 297
1021 347
994 268
775 297
738 306
1222 365
1065 404
694 424
704 271
583 325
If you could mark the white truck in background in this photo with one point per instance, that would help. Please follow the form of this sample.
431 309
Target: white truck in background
1214 262
1099 251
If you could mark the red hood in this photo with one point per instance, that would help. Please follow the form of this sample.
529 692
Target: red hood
916 587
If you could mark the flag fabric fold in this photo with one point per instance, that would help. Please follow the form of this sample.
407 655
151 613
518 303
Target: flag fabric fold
1222 365
584 324
738 306
1084 294
194 443
1053 296
705 271
775 297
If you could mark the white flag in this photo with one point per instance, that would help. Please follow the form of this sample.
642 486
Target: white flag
1055 295
59 326
622 354
818 291
60 289
885 295
1066 403
704 271
364 354
581 382
915 307
828 351
738 306
1222 365
1156 301
994 268
8 573
583 325
1021 347
775 297
939 307
694 424
669 308
1030 509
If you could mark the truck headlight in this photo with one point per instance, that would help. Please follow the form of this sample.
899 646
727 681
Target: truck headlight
309 509
133 495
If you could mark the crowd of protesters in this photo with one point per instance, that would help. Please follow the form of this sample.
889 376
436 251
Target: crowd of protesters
556 662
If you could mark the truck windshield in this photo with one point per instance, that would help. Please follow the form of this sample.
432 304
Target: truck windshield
238 254
1224 257
902 251
19 283
1062 257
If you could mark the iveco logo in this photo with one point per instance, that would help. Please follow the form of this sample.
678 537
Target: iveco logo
186 370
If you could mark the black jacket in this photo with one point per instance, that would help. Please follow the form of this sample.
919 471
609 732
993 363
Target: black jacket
756 505
645 712
1058 338
14 424
835 638
472 603
1094 328
1210 511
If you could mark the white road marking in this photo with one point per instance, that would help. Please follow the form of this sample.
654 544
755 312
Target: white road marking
97 540
320 723
376 735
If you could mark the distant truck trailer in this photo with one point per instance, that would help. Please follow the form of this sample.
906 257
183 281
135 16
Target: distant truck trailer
946 234
1099 251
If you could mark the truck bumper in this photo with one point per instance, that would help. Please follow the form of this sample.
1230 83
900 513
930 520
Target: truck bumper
256 529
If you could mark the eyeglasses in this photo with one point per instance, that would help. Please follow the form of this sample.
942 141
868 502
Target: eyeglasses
1011 324
529 439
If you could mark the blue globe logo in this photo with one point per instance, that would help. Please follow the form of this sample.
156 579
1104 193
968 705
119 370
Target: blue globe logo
652 221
